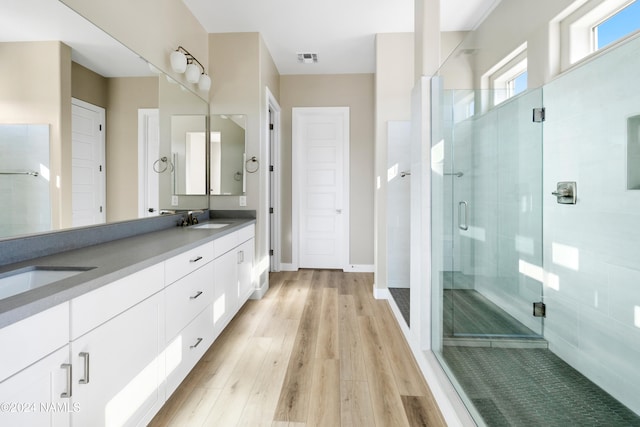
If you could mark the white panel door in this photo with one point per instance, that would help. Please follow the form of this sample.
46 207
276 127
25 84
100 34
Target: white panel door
87 164
321 178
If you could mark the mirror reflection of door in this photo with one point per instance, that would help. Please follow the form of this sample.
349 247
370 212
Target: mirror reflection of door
188 154
148 153
227 152
87 164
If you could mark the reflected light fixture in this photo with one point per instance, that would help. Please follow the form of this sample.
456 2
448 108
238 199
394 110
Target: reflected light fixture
184 62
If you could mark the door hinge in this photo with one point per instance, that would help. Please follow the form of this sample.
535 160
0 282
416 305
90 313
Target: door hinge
538 115
270 126
100 209
539 309
100 128
270 168
270 210
100 168
270 252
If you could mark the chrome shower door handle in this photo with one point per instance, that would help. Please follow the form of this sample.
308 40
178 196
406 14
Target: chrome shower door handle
463 207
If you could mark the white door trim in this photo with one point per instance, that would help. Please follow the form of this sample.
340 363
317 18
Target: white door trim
273 147
297 174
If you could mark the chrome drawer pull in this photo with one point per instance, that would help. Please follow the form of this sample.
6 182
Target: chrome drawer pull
196 295
196 344
85 356
67 394
195 259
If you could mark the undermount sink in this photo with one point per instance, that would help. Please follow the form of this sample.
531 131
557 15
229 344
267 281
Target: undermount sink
25 279
210 225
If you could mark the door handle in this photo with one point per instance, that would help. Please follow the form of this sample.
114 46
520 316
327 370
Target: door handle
85 356
67 394
463 225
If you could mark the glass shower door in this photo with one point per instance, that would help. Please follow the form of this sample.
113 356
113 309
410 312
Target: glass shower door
493 179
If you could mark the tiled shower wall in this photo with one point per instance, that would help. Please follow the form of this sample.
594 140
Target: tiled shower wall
25 198
592 249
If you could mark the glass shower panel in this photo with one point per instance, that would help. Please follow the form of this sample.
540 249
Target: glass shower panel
24 179
492 178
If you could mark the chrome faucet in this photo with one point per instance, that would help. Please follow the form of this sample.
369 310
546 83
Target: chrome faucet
191 218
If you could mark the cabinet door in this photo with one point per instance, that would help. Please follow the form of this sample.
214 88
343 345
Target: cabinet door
119 368
225 300
245 271
34 396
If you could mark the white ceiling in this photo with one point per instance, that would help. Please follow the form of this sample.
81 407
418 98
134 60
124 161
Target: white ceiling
341 32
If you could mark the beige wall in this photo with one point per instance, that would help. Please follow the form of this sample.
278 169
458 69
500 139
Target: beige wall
357 92
89 86
125 96
39 92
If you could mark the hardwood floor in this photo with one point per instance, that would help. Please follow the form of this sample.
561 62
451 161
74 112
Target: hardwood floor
317 350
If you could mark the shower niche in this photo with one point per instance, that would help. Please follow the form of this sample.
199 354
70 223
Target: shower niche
633 152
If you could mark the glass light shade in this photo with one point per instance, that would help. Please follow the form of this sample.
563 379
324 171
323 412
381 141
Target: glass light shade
192 73
205 82
178 61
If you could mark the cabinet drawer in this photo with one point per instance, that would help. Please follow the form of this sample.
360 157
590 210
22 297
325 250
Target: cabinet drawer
246 233
186 349
187 297
31 339
225 243
183 264
96 307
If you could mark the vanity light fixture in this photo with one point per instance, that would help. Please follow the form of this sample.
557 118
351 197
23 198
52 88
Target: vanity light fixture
184 62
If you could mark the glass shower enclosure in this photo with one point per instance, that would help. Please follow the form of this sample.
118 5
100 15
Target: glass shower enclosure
487 214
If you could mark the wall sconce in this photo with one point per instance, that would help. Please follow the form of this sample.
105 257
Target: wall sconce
184 62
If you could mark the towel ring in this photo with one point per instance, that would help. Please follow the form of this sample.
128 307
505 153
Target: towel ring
165 162
252 169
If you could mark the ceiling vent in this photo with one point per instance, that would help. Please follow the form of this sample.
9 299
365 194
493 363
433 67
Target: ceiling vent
307 58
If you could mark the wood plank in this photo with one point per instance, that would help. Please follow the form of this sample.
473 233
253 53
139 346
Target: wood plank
294 396
422 411
228 408
263 398
195 410
356 410
387 405
363 293
328 331
351 358
325 394
401 359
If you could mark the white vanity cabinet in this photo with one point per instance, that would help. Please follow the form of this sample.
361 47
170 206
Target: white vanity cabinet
117 351
233 271
189 305
35 376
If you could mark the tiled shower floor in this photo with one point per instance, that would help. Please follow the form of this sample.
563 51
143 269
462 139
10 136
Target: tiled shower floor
532 387
401 297
521 386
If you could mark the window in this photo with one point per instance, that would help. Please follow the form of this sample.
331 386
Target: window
595 24
510 80
621 24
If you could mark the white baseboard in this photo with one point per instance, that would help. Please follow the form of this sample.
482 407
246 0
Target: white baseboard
359 268
381 293
288 267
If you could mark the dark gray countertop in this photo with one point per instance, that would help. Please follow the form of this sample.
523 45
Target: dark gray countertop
113 260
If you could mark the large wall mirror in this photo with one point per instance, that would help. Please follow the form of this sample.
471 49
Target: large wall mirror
86 126
227 153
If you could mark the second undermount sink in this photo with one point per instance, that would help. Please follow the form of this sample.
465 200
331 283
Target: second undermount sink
25 279
211 225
